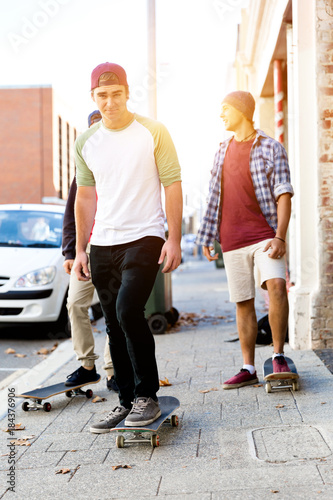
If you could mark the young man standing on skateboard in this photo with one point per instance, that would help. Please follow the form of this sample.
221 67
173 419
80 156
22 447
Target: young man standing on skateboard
248 212
125 158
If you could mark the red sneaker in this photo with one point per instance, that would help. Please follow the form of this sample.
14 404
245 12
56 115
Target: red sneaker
242 378
280 365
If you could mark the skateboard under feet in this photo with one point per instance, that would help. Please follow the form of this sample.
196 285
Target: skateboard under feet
278 381
148 434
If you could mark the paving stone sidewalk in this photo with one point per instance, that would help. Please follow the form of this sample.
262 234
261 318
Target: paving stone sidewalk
230 445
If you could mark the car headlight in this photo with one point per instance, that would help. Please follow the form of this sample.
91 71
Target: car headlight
39 277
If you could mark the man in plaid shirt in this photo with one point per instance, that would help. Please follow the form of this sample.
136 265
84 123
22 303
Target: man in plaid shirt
248 212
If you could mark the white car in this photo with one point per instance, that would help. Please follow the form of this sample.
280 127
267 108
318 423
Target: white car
33 283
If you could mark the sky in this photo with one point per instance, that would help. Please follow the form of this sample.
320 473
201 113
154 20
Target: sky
59 42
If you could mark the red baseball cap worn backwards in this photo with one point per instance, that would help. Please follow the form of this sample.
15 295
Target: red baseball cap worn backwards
108 68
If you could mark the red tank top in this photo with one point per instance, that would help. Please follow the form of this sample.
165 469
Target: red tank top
243 222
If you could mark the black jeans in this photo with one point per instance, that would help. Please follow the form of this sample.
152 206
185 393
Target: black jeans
124 276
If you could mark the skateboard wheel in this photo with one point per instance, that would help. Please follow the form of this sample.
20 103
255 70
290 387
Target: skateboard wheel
89 393
120 441
268 387
25 406
174 420
295 386
69 394
154 441
47 406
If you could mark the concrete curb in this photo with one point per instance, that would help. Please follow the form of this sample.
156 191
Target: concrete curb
36 376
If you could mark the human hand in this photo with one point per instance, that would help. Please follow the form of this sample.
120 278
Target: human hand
67 265
209 253
81 267
171 250
278 248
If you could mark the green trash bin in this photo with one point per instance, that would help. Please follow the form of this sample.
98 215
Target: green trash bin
159 311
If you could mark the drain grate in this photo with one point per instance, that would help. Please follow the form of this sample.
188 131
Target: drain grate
285 444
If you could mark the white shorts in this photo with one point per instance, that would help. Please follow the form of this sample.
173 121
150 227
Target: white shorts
250 265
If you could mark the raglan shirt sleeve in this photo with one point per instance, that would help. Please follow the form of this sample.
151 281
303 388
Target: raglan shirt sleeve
84 176
166 157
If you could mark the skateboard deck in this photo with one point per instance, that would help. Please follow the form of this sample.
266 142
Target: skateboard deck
36 396
148 434
284 380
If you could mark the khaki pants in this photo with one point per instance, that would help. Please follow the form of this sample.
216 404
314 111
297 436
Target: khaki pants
79 300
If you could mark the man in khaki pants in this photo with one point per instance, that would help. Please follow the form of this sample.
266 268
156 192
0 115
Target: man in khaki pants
80 297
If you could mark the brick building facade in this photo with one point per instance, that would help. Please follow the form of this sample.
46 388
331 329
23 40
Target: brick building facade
36 143
293 40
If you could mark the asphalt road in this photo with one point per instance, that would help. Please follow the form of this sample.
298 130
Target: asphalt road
31 346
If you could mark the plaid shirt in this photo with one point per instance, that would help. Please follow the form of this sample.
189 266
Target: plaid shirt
270 176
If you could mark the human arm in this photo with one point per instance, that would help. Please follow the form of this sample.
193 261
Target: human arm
85 209
174 210
68 230
283 216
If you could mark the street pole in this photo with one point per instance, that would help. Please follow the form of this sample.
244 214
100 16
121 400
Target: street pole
152 93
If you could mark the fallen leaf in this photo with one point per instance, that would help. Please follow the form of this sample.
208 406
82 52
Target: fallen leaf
54 347
98 399
20 355
324 403
274 491
20 442
10 351
279 406
115 467
43 350
5 455
17 427
204 391
63 471
257 385
165 382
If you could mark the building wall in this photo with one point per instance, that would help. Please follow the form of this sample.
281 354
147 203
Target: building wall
26 144
322 300
29 142
64 135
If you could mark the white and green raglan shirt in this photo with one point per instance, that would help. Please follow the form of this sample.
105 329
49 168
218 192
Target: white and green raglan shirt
127 166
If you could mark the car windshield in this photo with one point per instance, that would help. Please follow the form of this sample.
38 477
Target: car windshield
28 228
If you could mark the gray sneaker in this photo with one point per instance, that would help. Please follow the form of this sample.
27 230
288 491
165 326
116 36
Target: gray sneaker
144 412
110 421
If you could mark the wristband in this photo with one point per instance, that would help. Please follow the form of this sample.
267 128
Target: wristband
279 239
